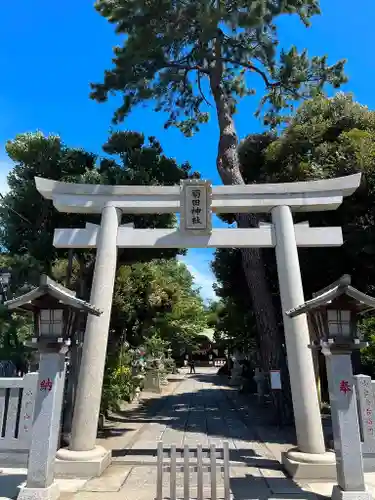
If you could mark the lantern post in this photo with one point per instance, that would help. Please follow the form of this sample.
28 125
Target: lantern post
53 307
333 314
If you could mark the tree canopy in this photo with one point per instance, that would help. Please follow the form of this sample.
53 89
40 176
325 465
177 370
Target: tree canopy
157 298
235 320
154 293
28 220
326 138
172 49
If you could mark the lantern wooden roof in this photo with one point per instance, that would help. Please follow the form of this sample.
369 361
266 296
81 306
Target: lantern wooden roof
336 292
47 290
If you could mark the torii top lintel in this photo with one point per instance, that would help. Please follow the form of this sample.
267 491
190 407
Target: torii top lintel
307 196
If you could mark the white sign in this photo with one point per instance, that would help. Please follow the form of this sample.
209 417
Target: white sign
275 380
195 206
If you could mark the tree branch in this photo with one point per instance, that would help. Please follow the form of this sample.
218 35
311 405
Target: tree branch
185 67
12 210
267 82
251 67
201 91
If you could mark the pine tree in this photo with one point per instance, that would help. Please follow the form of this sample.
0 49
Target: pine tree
181 54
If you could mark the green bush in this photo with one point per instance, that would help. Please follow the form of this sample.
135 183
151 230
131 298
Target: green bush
169 365
367 328
119 383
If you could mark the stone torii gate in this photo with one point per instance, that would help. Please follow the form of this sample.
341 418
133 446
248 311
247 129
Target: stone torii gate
196 200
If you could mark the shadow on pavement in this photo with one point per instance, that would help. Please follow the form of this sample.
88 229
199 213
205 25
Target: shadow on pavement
240 457
216 411
10 483
218 380
252 487
205 411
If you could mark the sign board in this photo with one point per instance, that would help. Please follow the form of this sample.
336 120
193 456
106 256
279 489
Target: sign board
275 380
195 215
366 404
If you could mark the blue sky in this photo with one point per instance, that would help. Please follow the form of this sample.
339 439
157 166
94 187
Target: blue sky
51 51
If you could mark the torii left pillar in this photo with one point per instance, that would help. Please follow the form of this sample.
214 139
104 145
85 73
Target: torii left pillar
83 457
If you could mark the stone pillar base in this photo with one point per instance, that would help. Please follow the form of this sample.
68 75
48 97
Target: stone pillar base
313 466
82 464
368 463
50 493
339 494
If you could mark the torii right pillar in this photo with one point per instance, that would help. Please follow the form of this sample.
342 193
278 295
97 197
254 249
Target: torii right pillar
310 460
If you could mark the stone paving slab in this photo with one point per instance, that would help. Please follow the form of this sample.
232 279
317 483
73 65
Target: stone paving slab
122 429
197 410
111 480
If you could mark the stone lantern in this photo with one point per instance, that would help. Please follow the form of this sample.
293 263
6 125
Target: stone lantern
333 314
53 307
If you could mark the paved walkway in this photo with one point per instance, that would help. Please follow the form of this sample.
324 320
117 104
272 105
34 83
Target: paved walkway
200 410
197 409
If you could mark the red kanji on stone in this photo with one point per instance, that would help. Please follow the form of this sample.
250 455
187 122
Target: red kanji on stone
344 386
46 385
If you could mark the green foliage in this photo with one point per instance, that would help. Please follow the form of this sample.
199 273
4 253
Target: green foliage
155 346
169 365
367 328
119 383
213 311
28 220
327 138
156 298
174 52
235 322
16 328
25 272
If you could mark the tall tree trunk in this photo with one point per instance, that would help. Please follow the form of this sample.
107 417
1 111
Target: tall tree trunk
228 166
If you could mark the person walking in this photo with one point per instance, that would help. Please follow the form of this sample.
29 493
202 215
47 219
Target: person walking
192 366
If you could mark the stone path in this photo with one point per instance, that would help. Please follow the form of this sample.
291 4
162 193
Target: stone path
197 409
198 412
